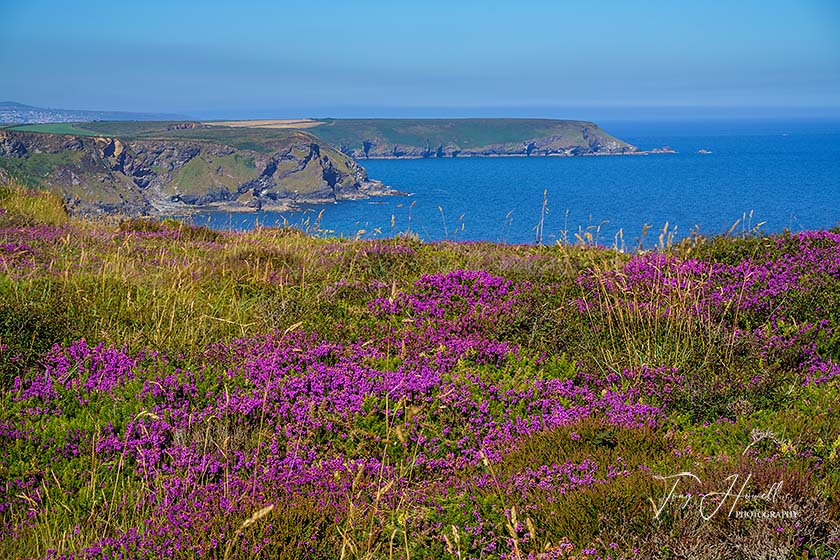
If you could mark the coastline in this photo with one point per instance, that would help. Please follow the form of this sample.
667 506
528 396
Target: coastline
654 151
373 189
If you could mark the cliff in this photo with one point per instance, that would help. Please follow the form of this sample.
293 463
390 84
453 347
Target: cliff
137 176
427 138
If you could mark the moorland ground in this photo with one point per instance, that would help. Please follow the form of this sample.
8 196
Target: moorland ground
174 391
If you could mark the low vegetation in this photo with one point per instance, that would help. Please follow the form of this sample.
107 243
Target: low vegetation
253 139
175 391
466 133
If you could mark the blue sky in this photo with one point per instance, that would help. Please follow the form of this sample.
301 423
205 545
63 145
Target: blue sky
447 58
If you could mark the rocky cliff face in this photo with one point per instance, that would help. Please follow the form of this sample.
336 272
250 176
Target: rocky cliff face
593 141
102 175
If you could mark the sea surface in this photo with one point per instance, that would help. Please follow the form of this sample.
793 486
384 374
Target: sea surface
772 175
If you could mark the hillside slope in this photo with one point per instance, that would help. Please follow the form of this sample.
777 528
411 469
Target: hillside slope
172 391
148 173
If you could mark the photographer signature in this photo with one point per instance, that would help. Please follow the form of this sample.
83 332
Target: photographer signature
712 502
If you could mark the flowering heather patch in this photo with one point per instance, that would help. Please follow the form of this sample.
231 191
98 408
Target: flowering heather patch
271 395
321 412
459 293
758 283
379 247
78 367
35 234
16 256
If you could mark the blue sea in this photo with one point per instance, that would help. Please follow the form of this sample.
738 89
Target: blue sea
767 175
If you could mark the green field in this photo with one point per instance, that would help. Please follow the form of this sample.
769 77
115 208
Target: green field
55 128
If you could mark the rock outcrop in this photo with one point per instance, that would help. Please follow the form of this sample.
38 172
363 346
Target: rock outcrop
106 175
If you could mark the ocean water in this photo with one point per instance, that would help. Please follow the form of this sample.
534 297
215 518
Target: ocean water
771 175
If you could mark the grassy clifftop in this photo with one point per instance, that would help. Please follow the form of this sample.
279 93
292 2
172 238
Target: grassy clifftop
463 136
468 133
262 140
173 391
381 138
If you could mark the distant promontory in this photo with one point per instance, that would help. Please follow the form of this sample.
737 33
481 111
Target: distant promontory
435 138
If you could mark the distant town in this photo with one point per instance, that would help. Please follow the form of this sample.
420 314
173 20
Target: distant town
18 113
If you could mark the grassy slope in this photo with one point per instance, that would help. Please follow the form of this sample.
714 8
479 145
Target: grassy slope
199 173
467 133
37 167
174 289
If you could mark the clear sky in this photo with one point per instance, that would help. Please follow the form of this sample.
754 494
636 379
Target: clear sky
449 58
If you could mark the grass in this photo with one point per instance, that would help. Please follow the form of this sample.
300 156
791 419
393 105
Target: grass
466 133
55 128
24 206
229 171
175 391
259 140
37 167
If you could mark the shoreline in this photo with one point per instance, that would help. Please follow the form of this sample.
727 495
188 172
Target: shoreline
665 150
231 207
